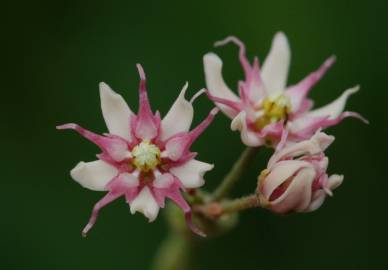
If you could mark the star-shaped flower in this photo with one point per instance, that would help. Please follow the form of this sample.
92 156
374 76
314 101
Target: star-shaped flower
265 106
145 159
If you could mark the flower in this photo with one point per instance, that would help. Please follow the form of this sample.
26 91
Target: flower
265 106
145 159
295 179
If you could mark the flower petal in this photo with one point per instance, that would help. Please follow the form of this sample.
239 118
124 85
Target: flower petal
177 146
298 195
146 204
274 71
146 123
335 108
298 92
191 173
116 112
163 180
94 175
279 173
179 117
335 181
216 84
248 137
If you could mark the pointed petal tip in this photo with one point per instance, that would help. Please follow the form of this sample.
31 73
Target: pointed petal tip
141 71
196 95
67 126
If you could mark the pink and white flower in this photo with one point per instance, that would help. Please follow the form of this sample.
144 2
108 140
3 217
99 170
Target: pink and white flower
265 105
145 159
295 179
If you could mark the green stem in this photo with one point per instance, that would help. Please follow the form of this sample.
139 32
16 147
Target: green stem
234 174
240 204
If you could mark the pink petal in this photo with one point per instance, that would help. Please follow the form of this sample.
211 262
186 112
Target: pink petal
117 148
177 146
298 92
216 84
174 194
108 198
146 124
116 112
274 71
179 117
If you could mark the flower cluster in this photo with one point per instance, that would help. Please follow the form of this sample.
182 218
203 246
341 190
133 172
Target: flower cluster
147 159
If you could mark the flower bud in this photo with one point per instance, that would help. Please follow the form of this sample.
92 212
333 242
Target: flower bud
295 179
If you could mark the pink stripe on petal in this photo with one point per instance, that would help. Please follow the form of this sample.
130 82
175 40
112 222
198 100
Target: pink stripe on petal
177 146
116 147
108 198
298 92
243 59
146 126
234 105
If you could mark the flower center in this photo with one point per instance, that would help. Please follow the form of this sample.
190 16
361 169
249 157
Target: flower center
273 109
146 156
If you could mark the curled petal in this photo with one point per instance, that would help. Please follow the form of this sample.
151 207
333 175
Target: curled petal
116 147
313 146
94 175
216 84
248 136
274 71
177 146
243 59
146 124
191 173
116 112
179 117
146 204
298 92
280 173
297 196
108 198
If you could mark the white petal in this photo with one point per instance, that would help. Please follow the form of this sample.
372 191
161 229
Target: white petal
335 181
146 204
216 84
115 111
279 173
335 108
317 201
191 173
248 137
274 72
179 117
93 175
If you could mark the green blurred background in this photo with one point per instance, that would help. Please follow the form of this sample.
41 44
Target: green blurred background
56 52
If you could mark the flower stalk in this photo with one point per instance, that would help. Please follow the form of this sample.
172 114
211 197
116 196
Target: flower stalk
235 174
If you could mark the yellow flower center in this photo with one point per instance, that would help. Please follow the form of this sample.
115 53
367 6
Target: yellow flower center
146 156
274 109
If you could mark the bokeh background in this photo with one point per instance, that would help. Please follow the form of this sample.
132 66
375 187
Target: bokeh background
54 54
